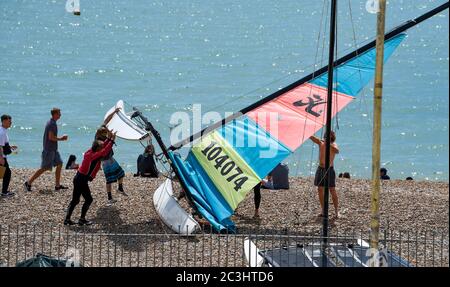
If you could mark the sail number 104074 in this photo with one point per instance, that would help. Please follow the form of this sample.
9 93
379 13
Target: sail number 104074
225 165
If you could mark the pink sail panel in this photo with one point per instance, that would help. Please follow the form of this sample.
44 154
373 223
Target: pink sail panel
284 124
295 116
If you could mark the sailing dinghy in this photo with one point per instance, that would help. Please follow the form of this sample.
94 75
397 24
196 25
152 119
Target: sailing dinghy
227 159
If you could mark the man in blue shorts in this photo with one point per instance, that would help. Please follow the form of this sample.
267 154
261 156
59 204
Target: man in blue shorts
50 155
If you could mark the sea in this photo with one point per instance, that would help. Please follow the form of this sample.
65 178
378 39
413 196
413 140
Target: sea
167 57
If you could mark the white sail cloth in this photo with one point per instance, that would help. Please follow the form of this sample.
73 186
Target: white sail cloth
124 125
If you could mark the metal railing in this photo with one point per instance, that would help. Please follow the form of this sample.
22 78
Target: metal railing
208 249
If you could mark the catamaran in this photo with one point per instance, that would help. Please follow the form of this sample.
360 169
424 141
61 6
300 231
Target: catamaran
230 157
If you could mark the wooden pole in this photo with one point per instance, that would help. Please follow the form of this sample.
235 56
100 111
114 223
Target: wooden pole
376 141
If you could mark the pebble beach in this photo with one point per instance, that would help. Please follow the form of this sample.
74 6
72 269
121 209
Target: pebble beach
406 206
191 63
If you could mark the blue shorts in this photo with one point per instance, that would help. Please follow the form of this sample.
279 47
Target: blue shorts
50 159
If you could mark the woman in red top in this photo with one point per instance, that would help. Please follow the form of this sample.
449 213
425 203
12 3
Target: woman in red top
87 172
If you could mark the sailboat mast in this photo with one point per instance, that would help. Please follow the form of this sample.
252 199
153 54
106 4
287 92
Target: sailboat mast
149 127
328 127
376 140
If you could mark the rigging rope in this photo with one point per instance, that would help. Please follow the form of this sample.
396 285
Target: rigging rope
311 198
321 64
362 98
315 65
335 100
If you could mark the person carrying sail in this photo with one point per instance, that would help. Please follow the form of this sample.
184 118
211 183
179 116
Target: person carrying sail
87 172
320 179
111 168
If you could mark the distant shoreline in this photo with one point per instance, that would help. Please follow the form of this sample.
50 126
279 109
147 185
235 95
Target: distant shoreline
130 173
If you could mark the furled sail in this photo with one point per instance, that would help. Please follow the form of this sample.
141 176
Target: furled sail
227 162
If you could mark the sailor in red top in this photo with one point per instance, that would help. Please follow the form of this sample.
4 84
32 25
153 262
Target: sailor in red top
87 172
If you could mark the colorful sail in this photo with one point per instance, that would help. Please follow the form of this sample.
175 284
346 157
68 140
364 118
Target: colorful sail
228 162
352 77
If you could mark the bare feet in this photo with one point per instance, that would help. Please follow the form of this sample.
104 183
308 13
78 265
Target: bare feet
256 215
336 216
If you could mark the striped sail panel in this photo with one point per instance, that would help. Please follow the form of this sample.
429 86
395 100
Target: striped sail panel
228 162
352 76
208 201
231 174
256 146
218 204
296 115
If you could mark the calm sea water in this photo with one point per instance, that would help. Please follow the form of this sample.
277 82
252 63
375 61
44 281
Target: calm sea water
165 56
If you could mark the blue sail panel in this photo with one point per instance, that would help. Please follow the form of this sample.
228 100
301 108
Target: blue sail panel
239 145
255 145
219 206
209 202
352 76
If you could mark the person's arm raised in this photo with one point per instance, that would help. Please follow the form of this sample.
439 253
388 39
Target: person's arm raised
110 116
107 147
315 140
104 151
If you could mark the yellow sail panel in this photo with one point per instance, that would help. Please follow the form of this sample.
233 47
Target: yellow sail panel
231 175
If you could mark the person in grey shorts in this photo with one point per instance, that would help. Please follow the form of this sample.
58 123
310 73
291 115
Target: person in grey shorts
324 178
50 155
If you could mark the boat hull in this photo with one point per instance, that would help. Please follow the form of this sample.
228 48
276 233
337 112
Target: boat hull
171 212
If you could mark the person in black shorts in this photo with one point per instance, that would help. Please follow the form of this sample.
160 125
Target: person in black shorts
321 179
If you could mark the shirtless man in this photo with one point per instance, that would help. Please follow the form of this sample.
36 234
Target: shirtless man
320 179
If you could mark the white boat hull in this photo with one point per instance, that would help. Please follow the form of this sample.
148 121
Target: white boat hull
251 253
171 212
